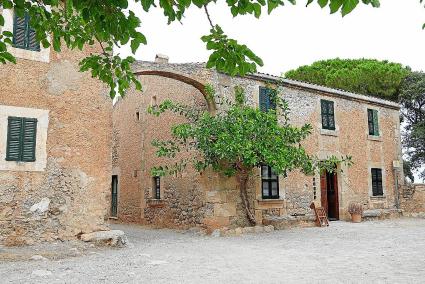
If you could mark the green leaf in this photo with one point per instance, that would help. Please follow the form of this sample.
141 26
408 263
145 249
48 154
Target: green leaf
348 6
8 57
335 5
8 34
322 3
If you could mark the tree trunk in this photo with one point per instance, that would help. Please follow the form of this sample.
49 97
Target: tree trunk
243 181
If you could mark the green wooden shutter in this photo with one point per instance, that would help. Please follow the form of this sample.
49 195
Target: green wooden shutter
14 130
29 139
263 99
375 123
331 117
323 107
21 139
370 121
266 102
23 35
20 31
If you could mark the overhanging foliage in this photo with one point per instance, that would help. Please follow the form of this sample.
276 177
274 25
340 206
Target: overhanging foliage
109 23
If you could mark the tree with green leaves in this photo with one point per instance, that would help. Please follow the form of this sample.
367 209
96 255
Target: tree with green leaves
369 77
412 99
109 23
237 140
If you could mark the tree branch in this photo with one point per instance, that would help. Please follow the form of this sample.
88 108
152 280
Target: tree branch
208 16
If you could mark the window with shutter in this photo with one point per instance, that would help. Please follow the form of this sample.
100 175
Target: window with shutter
269 183
23 35
266 101
377 189
372 121
21 139
328 117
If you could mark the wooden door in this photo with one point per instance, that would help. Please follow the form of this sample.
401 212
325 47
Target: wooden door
329 194
332 189
114 196
324 191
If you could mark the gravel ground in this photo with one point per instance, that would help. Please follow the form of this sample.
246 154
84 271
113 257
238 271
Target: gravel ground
381 251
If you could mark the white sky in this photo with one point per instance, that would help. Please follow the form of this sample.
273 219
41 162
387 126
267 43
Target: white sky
294 35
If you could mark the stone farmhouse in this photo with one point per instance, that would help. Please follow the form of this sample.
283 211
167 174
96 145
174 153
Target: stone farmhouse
69 160
55 143
363 127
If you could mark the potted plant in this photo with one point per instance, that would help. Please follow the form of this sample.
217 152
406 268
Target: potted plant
356 211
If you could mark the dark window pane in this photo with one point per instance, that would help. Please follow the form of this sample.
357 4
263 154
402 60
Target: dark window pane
265 172
275 189
266 189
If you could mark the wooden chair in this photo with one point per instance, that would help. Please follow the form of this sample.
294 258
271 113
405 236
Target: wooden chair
321 217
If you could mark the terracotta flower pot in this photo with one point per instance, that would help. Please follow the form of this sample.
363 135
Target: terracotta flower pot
356 218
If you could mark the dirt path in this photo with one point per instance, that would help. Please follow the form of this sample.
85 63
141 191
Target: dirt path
381 252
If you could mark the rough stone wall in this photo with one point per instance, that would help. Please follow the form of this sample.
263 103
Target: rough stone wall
413 200
221 204
72 194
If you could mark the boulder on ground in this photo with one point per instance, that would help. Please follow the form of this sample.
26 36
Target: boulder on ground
116 238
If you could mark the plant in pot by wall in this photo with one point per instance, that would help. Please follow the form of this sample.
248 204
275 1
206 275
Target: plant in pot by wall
356 211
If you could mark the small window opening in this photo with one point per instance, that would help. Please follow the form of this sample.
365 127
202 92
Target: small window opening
137 115
156 186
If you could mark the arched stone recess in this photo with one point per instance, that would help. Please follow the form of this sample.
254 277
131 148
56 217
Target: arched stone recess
212 108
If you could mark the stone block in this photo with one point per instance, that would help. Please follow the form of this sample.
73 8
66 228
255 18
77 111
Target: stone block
214 196
213 223
110 238
238 231
248 230
224 209
258 229
41 206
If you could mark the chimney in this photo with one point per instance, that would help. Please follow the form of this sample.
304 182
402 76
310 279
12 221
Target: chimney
161 58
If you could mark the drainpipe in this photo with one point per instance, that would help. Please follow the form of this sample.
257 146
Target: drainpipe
396 166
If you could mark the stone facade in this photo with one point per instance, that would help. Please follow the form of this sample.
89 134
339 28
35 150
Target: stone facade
65 192
212 201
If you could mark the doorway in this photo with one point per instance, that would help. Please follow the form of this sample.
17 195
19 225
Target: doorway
114 196
329 194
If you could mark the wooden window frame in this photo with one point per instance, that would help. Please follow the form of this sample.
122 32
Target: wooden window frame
377 185
23 139
327 113
269 180
372 122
